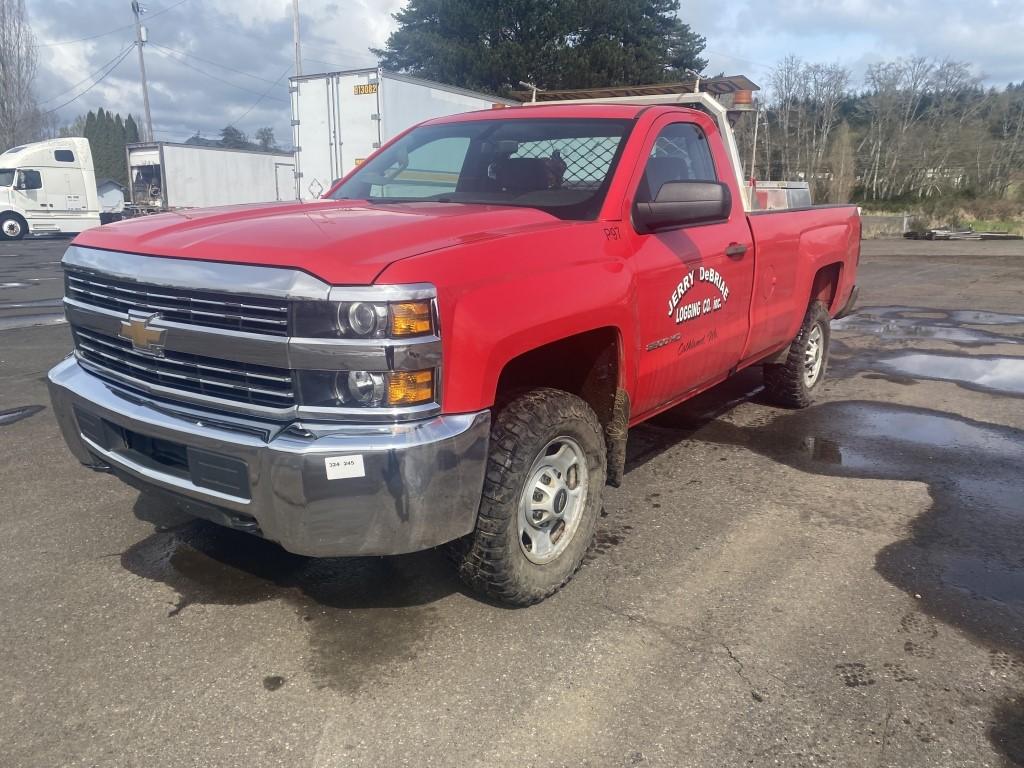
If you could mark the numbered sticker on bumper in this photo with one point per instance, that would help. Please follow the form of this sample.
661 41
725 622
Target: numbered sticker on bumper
341 467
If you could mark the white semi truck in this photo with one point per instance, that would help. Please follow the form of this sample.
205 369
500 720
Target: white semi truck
165 176
48 187
340 118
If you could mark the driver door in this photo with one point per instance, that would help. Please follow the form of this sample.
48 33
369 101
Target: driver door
29 191
694 282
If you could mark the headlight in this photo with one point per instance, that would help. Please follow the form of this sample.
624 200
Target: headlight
363 319
365 389
360 387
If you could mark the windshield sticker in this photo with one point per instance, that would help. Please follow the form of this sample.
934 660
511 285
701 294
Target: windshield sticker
694 309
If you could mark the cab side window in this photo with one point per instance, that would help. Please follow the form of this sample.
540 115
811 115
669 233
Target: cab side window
31 179
64 156
680 153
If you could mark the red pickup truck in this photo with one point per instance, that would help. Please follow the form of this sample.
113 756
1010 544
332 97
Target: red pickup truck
451 346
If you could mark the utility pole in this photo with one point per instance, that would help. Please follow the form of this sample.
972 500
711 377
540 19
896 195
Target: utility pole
293 93
140 38
295 34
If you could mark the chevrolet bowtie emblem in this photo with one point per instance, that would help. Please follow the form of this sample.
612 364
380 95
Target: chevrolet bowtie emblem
144 338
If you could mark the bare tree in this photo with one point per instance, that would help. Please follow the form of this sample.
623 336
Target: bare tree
920 128
19 113
841 165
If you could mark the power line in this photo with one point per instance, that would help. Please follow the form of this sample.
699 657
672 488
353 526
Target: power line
83 39
109 31
160 50
103 77
256 103
208 61
87 78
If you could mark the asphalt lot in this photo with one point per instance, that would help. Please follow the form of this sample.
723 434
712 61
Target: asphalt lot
840 586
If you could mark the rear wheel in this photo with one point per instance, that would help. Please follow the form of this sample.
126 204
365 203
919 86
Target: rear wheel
541 500
12 226
793 382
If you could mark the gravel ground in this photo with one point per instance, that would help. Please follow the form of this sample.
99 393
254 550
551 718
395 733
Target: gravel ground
840 586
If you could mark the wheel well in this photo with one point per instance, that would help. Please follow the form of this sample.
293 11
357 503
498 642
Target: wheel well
587 365
826 284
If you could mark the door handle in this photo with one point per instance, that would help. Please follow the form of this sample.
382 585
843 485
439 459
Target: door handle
736 250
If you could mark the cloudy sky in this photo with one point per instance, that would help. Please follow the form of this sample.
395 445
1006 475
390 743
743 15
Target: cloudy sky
215 62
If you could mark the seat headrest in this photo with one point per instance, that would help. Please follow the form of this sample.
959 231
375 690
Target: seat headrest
522 174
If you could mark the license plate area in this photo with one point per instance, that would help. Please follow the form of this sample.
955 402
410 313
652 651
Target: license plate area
204 469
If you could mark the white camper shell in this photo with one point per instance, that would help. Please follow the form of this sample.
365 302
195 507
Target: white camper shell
340 118
166 176
48 187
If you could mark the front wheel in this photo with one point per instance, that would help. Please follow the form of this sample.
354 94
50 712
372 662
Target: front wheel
541 500
793 382
12 227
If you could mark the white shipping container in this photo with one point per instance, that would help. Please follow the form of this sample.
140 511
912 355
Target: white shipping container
167 176
340 118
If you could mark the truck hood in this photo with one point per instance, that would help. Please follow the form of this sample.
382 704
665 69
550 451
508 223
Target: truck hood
344 242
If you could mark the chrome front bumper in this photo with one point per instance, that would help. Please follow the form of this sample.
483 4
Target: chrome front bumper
398 487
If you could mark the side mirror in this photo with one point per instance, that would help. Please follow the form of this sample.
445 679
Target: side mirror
680 203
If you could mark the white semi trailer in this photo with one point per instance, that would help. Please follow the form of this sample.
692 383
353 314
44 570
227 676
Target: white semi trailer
340 118
48 187
165 176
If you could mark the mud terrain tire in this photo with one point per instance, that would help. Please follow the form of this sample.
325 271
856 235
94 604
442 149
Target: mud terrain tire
792 383
547 449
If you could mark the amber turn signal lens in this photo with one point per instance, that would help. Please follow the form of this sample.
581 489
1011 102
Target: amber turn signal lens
411 318
410 387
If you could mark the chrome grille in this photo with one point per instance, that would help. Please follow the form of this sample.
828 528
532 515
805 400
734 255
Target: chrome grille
203 308
228 380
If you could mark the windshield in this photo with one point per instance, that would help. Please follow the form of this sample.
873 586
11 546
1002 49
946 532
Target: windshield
562 166
7 176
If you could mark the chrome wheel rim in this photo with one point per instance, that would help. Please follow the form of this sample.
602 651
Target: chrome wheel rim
12 227
814 355
553 500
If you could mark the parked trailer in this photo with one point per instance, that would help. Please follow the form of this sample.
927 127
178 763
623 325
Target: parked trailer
340 118
167 176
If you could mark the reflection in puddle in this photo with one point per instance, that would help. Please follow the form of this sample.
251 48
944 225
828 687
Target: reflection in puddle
987 373
952 316
940 325
27 321
31 303
17 414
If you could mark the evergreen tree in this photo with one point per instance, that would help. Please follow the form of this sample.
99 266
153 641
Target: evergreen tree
131 130
491 45
107 133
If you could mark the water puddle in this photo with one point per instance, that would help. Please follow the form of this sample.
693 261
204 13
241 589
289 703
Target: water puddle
985 373
952 316
17 414
911 323
30 304
964 555
28 321
363 616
